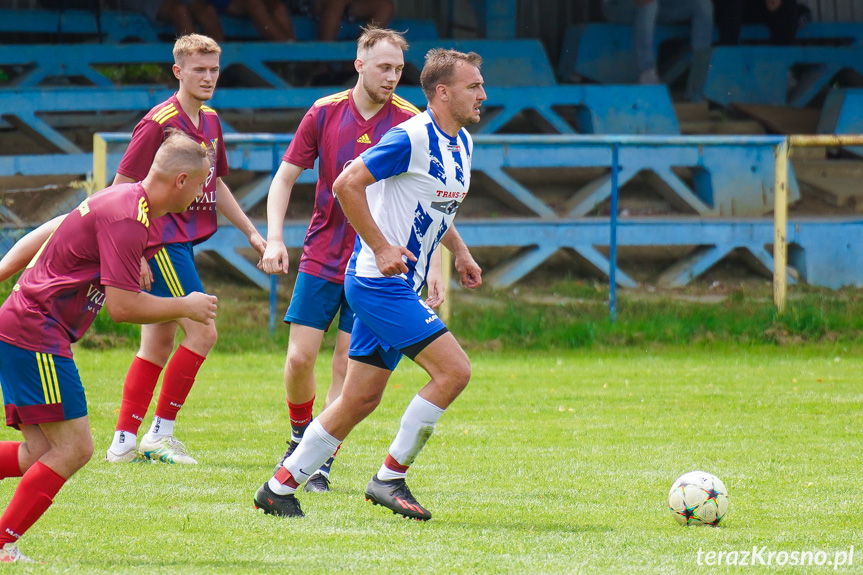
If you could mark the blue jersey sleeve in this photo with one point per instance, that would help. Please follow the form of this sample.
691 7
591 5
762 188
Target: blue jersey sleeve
389 157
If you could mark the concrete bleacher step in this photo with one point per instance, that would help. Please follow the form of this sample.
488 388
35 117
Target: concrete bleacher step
782 119
698 118
691 111
837 182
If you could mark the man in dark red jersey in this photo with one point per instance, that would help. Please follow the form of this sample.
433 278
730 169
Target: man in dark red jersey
171 272
335 130
92 260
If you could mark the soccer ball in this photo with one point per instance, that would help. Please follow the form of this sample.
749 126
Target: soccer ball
698 498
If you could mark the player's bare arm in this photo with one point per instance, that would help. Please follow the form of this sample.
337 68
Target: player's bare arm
121 179
139 307
468 270
275 258
25 249
227 205
435 287
350 189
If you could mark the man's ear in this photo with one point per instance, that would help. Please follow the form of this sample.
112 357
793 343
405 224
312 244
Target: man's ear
442 92
181 180
177 70
358 65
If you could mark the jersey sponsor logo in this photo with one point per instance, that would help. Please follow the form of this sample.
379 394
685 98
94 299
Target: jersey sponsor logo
454 148
210 177
447 208
206 198
450 194
364 139
96 298
143 210
84 208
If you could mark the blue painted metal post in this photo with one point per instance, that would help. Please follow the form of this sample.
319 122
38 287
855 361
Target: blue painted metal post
612 241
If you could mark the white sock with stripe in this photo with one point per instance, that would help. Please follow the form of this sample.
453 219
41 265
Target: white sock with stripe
316 447
417 425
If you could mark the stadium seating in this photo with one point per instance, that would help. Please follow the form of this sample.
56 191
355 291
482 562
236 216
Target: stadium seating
761 74
508 63
121 26
46 100
604 52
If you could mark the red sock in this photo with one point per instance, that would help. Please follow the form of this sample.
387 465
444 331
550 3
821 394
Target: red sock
179 377
9 466
138 390
393 465
33 496
301 416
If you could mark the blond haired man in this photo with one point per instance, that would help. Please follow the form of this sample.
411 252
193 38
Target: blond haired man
171 272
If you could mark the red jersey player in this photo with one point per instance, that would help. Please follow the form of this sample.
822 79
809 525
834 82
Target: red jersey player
174 274
92 260
334 131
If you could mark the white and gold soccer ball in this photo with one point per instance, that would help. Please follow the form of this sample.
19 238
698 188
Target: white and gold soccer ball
698 498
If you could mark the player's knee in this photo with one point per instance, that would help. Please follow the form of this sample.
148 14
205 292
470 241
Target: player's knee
78 454
300 361
459 375
203 338
365 404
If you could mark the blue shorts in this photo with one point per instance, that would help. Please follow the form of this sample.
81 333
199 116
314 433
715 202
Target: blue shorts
39 387
174 271
315 303
391 316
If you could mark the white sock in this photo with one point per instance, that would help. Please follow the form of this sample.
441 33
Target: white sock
160 428
417 425
124 441
316 447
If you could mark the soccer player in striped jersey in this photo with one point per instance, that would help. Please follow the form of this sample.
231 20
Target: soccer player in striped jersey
335 130
171 272
91 260
401 196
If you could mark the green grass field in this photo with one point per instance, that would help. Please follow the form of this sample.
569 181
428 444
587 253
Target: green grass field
548 463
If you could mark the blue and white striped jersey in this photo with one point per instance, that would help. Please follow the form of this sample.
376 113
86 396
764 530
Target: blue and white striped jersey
422 177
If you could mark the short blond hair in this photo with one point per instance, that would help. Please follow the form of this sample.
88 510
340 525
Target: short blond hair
179 153
372 35
194 44
440 65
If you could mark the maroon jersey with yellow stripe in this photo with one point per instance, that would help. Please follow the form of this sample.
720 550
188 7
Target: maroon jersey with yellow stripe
59 294
199 221
335 132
